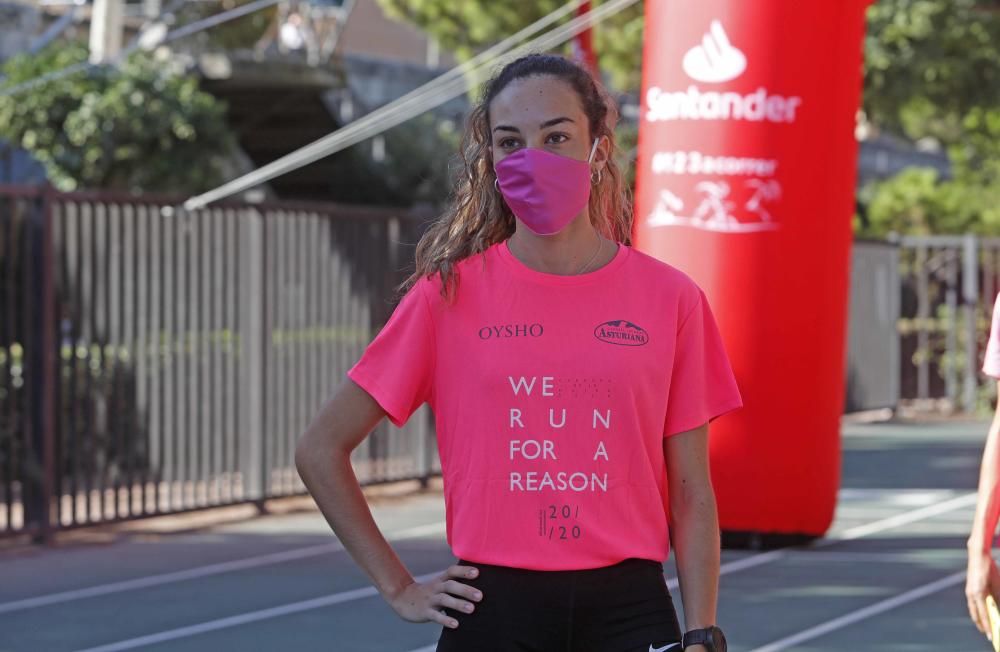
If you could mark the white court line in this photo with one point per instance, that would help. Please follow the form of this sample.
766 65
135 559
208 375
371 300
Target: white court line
862 531
203 571
905 518
862 614
850 534
244 618
274 612
862 557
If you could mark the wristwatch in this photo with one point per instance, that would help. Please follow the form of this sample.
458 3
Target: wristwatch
711 637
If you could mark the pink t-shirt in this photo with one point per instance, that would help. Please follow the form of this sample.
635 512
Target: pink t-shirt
991 363
552 395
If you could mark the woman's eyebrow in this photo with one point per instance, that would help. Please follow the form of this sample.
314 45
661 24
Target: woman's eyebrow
554 121
544 125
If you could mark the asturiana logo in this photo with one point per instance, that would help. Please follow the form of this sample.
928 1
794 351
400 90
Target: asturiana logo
621 332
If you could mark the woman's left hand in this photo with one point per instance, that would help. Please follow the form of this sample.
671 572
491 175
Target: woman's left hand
982 579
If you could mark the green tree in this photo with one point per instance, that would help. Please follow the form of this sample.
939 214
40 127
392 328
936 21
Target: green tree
140 128
470 26
932 71
917 201
932 67
237 34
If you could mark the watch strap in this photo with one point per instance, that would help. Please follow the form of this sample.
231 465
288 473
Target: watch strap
697 637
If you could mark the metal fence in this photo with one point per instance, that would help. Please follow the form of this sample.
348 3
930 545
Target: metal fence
948 286
156 361
919 321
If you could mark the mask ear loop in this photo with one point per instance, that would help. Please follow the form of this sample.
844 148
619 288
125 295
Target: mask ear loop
589 160
496 178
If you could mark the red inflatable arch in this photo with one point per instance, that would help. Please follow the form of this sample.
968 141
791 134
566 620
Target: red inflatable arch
746 178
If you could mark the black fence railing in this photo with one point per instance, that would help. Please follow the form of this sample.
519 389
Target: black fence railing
948 286
154 360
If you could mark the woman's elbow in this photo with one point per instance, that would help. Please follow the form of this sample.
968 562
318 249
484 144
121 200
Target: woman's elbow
311 448
303 452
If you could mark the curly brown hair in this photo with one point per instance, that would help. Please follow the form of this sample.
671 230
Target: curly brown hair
477 216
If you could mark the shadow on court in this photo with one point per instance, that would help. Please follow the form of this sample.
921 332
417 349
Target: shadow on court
889 576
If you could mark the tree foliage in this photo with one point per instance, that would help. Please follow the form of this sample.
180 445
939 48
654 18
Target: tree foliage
468 27
932 72
237 34
918 202
932 67
142 128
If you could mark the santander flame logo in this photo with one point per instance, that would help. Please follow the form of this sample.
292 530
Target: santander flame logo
715 60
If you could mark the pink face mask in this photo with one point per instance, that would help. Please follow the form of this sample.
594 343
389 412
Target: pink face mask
545 190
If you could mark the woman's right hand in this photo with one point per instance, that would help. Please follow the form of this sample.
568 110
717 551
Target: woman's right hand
422 602
983 579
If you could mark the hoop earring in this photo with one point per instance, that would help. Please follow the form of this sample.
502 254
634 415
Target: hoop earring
600 176
496 184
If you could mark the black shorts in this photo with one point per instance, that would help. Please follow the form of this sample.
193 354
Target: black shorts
625 607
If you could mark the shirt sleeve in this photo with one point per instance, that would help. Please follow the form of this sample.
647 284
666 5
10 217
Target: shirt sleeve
991 363
397 367
702 384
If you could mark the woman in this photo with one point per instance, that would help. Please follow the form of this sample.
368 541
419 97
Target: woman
572 380
983 579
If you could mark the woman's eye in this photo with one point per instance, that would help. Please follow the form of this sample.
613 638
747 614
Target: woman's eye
508 142
558 138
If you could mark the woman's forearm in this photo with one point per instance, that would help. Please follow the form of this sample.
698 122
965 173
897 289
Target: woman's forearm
327 473
694 525
988 502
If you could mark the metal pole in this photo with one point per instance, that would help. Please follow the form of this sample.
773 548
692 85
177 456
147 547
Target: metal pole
50 371
105 30
923 314
951 337
252 328
894 315
970 295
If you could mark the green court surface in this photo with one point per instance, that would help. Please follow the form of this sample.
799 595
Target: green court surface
889 575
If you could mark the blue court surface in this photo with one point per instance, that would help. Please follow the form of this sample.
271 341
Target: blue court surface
889 576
